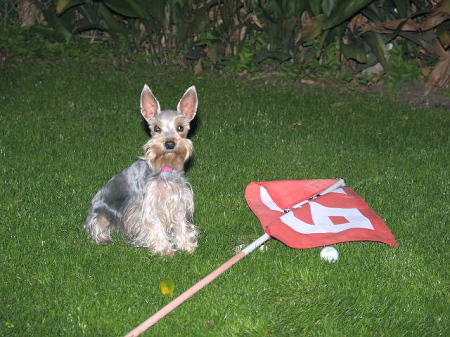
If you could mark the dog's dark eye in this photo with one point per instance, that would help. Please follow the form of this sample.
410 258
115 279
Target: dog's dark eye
157 129
180 128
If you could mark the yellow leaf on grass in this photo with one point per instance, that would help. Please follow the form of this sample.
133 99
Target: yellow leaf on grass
167 287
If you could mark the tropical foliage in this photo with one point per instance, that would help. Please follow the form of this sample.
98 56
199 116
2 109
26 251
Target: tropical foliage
351 35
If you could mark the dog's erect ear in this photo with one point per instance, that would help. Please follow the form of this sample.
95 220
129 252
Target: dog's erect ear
188 103
149 104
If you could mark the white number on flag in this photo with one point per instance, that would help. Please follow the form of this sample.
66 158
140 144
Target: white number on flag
322 218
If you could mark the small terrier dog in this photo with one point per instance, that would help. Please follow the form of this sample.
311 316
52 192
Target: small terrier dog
151 203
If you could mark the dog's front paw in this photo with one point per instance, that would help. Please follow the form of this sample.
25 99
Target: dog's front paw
191 249
164 251
103 241
189 246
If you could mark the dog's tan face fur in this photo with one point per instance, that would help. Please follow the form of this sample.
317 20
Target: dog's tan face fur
168 146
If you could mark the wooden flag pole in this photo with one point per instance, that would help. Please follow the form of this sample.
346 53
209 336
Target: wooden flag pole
197 287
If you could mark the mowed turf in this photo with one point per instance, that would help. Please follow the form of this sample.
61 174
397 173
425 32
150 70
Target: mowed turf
67 128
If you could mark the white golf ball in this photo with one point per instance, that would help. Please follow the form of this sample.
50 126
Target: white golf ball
329 254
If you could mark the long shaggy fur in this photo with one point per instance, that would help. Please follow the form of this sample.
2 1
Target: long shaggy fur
163 220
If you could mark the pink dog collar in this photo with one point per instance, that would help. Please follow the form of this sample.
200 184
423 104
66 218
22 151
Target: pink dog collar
167 169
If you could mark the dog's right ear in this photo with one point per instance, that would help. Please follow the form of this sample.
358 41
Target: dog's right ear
149 104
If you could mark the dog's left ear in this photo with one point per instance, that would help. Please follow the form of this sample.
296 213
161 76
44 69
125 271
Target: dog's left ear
188 103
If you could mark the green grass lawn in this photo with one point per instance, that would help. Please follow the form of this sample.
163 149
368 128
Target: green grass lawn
67 128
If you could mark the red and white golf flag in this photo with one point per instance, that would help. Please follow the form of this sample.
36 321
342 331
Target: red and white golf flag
313 213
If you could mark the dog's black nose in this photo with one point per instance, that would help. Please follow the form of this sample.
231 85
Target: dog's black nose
169 145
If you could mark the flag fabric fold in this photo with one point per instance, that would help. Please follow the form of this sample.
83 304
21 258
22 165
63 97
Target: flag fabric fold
299 214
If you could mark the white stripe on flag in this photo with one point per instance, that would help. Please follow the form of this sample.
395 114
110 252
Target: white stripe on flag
267 200
339 190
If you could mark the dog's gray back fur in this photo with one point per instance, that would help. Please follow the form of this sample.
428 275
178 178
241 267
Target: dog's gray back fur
120 192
